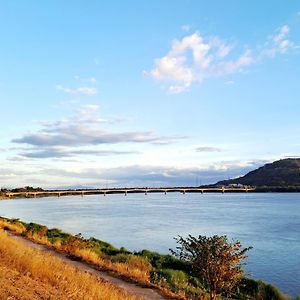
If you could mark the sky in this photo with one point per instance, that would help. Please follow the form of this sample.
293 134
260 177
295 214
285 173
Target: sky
146 93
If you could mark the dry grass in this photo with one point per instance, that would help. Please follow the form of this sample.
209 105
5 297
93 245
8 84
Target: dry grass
17 228
27 273
135 269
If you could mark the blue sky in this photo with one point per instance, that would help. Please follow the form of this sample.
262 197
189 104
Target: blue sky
147 94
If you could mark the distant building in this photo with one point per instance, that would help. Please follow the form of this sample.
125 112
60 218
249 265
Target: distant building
235 185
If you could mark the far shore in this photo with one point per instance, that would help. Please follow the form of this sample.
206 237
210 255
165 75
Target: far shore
10 195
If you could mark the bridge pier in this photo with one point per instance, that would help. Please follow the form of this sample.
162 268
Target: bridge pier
125 193
146 193
165 192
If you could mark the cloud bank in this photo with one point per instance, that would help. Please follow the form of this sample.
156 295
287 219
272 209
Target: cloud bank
61 138
156 176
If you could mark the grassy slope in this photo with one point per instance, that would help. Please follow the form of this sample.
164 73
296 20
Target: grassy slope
45 276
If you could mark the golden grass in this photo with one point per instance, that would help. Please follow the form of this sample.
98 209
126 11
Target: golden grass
18 227
137 269
58 279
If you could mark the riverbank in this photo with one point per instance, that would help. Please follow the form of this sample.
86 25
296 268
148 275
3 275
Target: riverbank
163 272
29 273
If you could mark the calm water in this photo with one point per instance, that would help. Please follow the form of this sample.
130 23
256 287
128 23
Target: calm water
268 222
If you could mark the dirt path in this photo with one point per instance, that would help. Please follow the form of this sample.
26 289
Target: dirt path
131 288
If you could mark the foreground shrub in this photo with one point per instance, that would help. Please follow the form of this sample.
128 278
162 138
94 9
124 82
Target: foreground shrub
214 260
259 290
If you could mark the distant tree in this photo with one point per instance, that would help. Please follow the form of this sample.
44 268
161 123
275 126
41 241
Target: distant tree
214 260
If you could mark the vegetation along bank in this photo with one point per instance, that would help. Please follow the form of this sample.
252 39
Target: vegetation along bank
176 276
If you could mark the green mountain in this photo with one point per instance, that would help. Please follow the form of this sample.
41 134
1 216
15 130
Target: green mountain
281 173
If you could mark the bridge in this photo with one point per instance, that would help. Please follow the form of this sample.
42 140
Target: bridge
126 191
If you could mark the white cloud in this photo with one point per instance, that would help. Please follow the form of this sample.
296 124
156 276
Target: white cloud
84 129
283 31
278 43
83 90
222 48
195 58
232 66
177 89
172 68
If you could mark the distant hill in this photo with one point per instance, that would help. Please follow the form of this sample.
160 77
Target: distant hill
281 173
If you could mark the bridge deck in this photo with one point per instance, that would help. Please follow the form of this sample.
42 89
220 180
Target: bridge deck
128 190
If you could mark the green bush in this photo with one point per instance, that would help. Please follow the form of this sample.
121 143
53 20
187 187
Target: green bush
100 246
54 235
120 257
259 290
176 281
159 261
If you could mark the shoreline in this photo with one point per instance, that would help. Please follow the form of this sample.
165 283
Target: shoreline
147 268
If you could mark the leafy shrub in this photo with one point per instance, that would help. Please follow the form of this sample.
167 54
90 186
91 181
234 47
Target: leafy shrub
178 282
159 261
54 235
120 258
100 246
259 290
175 279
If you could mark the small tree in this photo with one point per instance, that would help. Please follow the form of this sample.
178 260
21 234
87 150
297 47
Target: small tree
214 260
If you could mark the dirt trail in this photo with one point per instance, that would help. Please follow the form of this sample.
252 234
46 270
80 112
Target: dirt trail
131 288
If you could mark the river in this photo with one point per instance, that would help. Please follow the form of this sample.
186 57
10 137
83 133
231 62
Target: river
270 222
